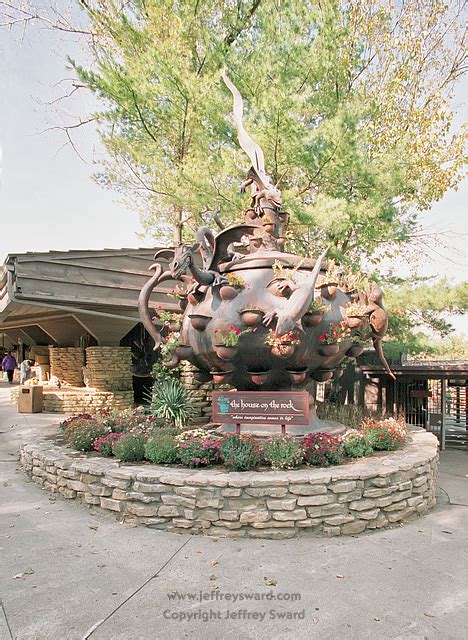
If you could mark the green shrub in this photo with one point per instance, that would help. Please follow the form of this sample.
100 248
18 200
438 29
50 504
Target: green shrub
283 453
240 453
82 434
196 452
384 435
322 449
130 447
156 423
356 445
172 402
105 444
162 448
124 424
350 415
168 431
73 420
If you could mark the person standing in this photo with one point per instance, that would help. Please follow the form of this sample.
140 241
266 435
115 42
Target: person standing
25 371
9 365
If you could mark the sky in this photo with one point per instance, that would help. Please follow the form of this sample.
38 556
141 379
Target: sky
48 199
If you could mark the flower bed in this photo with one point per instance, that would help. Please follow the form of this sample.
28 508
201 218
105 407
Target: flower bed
368 493
155 439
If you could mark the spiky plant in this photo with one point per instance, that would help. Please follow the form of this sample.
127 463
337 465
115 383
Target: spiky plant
173 402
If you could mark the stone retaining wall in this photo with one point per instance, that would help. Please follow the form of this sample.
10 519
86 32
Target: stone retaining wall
80 399
367 494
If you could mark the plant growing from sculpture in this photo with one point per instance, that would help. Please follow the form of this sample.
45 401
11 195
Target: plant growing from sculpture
281 272
336 333
230 336
278 342
169 345
234 280
351 281
318 306
332 275
163 317
355 310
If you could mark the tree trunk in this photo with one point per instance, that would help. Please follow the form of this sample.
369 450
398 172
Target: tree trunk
177 236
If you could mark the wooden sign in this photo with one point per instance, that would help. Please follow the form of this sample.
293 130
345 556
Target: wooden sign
257 407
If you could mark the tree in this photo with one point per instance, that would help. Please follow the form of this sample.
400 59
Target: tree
350 101
416 318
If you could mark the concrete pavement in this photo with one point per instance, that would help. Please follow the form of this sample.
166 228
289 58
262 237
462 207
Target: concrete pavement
68 572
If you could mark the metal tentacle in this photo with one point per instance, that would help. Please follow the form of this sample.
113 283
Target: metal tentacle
173 362
248 144
143 302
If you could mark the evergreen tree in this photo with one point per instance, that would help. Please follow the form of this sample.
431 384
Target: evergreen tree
350 101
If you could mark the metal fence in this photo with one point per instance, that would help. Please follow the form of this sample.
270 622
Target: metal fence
438 405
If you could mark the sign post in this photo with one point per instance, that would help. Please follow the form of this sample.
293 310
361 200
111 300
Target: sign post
261 407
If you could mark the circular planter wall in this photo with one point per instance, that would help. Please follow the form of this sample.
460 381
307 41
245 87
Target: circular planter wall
369 493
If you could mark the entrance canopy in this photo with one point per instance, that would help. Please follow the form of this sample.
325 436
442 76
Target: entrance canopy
425 369
62 297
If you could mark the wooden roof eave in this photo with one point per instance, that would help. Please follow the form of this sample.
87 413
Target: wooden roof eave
445 371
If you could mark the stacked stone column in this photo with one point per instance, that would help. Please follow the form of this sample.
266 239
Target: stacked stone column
110 369
67 364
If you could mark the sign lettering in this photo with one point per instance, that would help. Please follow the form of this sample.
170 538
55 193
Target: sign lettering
267 407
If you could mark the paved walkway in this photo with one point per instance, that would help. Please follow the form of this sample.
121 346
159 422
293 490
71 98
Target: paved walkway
69 573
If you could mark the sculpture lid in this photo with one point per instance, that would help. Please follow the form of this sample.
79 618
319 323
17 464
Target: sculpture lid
266 259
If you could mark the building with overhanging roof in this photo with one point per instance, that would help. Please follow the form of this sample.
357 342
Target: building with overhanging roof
63 298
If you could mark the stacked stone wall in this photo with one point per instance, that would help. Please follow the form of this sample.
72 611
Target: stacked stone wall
109 380
67 364
371 493
199 391
80 400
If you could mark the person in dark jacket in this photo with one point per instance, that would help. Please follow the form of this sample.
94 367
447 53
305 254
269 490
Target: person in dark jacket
9 365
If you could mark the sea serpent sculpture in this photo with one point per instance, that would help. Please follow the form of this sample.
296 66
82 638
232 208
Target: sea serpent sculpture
296 319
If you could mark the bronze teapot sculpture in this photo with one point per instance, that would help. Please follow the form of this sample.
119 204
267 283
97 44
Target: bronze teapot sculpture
256 317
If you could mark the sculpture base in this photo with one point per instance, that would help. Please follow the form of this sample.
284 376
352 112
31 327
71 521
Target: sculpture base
269 430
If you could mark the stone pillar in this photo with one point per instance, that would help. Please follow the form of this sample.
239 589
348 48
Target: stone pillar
199 391
67 364
109 368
